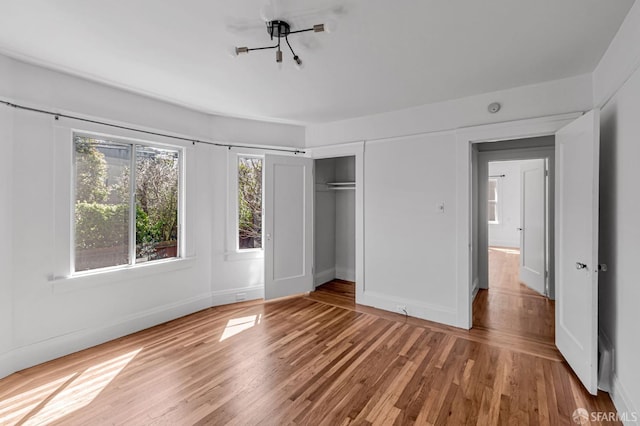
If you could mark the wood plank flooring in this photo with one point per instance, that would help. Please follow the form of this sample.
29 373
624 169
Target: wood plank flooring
511 307
298 361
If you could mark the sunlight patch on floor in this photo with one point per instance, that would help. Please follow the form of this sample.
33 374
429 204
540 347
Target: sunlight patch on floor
238 325
63 396
505 250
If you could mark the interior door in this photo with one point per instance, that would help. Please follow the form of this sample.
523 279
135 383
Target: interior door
288 223
577 157
533 205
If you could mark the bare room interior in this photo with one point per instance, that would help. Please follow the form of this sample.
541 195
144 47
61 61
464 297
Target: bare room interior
319 212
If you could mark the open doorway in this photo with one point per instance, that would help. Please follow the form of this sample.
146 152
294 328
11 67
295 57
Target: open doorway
514 221
335 230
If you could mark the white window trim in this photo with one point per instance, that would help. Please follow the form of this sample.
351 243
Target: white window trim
63 277
233 251
497 202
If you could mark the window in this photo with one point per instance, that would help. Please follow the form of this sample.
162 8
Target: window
249 202
493 201
126 202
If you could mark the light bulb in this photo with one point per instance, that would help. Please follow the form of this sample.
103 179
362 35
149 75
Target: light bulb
299 64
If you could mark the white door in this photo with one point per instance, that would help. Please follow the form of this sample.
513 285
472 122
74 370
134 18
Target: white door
577 157
288 205
533 205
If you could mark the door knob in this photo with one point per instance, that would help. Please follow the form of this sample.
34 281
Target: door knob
519 229
580 265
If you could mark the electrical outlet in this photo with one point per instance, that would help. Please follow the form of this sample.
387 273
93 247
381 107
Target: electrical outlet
241 296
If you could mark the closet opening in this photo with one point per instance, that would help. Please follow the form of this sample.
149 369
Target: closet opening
335 230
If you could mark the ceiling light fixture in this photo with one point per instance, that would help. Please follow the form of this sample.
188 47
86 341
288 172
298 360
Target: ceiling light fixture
282 30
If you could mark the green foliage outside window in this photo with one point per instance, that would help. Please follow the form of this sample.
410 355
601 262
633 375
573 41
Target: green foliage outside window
103 201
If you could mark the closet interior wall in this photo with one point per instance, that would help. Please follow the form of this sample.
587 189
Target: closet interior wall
334 219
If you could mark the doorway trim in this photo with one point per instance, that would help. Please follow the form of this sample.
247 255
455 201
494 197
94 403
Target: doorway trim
355 149
465 139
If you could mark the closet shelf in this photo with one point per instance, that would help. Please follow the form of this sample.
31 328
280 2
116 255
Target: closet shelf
341 186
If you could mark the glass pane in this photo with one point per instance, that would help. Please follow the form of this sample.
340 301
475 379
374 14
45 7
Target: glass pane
157 185
101 203
493 193
249 202
493 214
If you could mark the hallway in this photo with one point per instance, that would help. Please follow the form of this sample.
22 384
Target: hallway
509 306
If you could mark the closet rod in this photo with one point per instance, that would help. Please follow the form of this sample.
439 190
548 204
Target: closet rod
57 115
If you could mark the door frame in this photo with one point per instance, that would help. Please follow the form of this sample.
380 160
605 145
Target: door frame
355 149
513 153
465 230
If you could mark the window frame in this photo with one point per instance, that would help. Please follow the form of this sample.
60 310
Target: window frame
496 202
233 250
133 143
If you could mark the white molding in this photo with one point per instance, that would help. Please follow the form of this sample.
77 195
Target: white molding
622 402
39 352
474 289
325 276
110 276
226 297
426 311
347 274
465 137
336 150
505 243
356 149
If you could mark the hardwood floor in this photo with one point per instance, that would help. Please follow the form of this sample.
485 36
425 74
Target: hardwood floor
299 361
337 292
511 307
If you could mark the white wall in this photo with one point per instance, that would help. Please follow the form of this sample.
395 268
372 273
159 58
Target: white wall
505 233
44 318
6 232
345 221
620 206
413 162
410 256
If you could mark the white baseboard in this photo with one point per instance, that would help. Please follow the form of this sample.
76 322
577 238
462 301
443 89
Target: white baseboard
345 274
55 347
475 288
322 277
225 297
505 243
627 412
436 313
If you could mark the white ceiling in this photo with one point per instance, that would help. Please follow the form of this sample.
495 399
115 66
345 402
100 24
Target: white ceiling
384 55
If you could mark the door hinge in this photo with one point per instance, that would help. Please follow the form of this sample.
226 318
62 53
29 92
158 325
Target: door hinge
546 172
546 274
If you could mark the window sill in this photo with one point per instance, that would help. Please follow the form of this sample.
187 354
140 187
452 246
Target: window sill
125 273
250 254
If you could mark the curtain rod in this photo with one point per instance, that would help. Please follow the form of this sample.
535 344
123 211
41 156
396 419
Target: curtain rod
57 115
